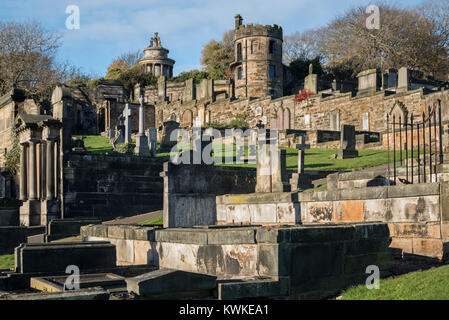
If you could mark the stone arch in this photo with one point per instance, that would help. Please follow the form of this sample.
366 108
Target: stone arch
398 111
187 119
239 51
280 119
286 124
334 119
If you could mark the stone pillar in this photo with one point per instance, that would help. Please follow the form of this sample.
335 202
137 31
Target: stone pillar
271 166
311 81
23 172
50 170
142 148
32 186
51 206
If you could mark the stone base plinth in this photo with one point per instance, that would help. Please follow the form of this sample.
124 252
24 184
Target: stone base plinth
142 148
258 209
50 210
301 181
347 154
30 213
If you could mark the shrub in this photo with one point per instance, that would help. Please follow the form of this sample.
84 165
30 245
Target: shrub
125 148
12 157
239 122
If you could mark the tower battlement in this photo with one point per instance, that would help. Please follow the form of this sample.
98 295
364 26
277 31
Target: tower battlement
250 29
257 30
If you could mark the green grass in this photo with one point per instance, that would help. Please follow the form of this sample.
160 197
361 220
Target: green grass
320 159
316 159
7 261
424 285
153 221
97 144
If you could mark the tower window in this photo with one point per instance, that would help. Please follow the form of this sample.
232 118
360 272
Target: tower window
239 73
272 71
272 46
239 52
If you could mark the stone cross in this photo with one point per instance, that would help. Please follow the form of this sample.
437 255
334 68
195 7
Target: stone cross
301 153
127 112
301 180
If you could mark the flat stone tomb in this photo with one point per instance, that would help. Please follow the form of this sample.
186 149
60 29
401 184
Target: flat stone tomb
58 283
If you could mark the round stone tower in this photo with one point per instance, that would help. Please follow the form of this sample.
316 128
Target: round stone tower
257 70
156 59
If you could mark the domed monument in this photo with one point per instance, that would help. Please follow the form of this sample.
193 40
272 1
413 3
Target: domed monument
156 59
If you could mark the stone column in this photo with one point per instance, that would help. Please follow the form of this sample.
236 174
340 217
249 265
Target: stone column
142 148
141 118
50 170
33 170
23 172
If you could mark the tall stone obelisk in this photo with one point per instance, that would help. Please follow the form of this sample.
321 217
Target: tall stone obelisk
141 139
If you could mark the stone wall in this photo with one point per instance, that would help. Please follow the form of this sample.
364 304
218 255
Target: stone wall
116 109
110 186
309 262
315 113
11 237
415 214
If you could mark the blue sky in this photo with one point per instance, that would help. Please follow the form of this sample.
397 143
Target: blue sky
112 27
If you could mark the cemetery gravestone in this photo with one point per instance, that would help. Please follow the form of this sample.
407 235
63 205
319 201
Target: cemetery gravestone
347 143
301 180
127 112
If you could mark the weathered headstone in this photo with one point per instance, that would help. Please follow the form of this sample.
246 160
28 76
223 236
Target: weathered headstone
271 164
152 141
127 112
167 128
252 147
301 180
110 133
119 135
347 143
311 81
240 146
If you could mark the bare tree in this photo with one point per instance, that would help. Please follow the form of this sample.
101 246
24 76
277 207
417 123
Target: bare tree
131 58
300 45
405 38
27 57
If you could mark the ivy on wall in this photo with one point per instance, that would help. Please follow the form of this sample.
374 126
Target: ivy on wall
12 157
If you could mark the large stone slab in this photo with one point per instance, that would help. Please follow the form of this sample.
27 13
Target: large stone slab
11 237
56 257
168 282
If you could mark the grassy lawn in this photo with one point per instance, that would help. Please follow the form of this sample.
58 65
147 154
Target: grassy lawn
424 285
316 159
153 222
320 159
7 261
